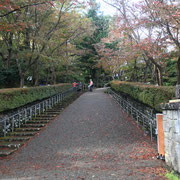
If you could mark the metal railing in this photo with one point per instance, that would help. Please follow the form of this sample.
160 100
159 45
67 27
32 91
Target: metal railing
8 124
148 122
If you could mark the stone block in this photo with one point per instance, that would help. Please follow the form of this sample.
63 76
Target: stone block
169 114
178 170
176 137
177 150
171 132
166 126
171 125
174 155
165 115
178 114
168 159
167 145
175 163
177 127
164 112
166 135
178 167
175 115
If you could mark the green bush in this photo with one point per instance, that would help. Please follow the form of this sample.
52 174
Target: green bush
16 97
151 95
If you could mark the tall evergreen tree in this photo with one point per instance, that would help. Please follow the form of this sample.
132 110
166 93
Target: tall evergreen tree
88 61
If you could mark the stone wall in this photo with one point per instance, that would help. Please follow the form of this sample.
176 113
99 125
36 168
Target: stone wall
171 124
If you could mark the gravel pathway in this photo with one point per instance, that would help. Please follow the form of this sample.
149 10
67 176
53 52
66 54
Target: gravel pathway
92 139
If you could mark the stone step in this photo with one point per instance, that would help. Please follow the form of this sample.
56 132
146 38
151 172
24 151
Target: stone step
14 138
6 151
39 121
33 125
53 112
56 107
27 129
24 133
47 115
56 110
15 144
42 118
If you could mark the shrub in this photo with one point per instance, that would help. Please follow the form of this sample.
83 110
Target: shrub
150 95
16 97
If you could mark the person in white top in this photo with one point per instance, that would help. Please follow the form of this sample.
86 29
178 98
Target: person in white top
90 85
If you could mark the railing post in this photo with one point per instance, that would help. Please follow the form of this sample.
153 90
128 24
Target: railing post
52 101
39 109
43 107
56 99
30 112
59 98
35 110
49 103
151 130
46 105
19 118
4 127
12 124
25 115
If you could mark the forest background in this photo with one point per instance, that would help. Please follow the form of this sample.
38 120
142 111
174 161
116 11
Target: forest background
49 42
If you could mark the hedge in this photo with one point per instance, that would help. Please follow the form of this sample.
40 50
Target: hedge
150 95
16 97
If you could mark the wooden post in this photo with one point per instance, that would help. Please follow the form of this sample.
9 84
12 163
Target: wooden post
161 147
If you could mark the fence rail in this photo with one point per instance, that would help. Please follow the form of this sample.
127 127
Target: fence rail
8 123
148 122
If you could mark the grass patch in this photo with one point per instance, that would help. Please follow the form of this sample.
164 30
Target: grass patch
172 176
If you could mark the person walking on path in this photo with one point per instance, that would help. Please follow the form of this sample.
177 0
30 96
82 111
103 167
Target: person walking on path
75 84
90 87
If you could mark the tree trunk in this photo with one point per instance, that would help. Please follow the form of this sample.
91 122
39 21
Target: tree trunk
67 69
9 50
22 76
135 71
47 76
54 75
146 72
158 71
36 74
178 69
21 73
159 75
54 78
36 82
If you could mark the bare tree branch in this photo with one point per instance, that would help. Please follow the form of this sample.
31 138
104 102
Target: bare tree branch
21 7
